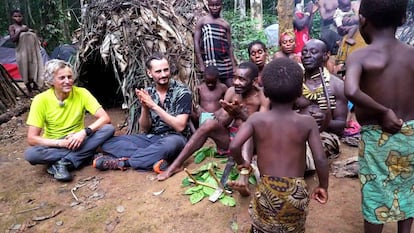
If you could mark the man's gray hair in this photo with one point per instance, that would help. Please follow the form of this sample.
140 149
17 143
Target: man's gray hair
51 67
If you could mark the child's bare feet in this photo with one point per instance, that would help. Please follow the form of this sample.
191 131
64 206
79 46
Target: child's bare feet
168 173
350 41
241 185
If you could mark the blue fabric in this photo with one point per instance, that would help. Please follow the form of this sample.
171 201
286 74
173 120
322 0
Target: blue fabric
143 150
50 155
386 173
350 105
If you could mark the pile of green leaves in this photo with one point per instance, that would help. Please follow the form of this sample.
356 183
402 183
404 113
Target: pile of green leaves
206 152
198 192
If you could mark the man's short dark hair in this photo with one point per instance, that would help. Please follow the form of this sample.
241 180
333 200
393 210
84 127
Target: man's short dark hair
154 56
252 67
251 44
212 71
282 80
384 13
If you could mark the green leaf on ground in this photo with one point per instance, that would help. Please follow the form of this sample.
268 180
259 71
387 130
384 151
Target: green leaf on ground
186 182
196 197
193 190
208 191
203 153
228 201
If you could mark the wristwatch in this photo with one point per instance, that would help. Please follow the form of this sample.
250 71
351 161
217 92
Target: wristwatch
88 131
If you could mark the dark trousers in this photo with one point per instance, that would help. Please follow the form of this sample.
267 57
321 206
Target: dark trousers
143 150
50 155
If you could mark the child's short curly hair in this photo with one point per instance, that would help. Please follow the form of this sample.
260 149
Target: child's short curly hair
282 80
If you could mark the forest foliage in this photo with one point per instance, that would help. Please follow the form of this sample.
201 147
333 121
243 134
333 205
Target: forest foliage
53 20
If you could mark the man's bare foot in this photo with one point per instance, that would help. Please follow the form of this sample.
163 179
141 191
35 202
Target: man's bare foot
168 173
241 185
350 41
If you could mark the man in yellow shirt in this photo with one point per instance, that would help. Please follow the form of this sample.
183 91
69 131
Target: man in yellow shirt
57 134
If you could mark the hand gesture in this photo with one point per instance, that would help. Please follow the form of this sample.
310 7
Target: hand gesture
320 195
145 99
390 122
234 108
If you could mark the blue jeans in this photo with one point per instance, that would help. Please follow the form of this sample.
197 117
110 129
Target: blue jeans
50 155
143 150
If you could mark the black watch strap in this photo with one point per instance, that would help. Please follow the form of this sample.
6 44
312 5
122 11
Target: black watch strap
88 131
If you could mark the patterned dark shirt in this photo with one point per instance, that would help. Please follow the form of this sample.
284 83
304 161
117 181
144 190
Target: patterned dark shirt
177 101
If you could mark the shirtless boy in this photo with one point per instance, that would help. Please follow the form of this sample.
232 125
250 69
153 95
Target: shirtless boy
212 43
240 101
281 160
379 81
210 92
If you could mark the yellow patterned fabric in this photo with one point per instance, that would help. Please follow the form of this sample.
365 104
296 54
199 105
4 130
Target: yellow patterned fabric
345 49
280 205
318 92
386 173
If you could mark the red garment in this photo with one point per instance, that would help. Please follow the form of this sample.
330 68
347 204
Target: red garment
13 70
302 36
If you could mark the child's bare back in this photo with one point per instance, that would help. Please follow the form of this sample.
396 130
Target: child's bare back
280 137
387 77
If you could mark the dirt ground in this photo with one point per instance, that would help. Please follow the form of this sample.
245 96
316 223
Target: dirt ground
115 201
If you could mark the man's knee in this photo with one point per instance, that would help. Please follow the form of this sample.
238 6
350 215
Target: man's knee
177 142
107 129
31 155
208 126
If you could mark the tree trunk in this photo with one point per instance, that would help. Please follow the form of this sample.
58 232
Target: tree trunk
285 10
256 9
242 8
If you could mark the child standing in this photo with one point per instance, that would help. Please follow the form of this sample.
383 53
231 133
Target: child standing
212 43
210 92
28 57
346 20
281 160
379 81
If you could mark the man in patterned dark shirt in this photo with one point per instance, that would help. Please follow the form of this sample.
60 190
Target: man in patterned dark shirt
163 128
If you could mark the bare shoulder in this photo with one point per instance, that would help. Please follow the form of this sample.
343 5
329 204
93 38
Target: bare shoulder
201 86
222 87
230 94
305 121
336 82
364 55
202 21
223 23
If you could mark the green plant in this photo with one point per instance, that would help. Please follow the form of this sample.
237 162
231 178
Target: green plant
243 31
205 185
